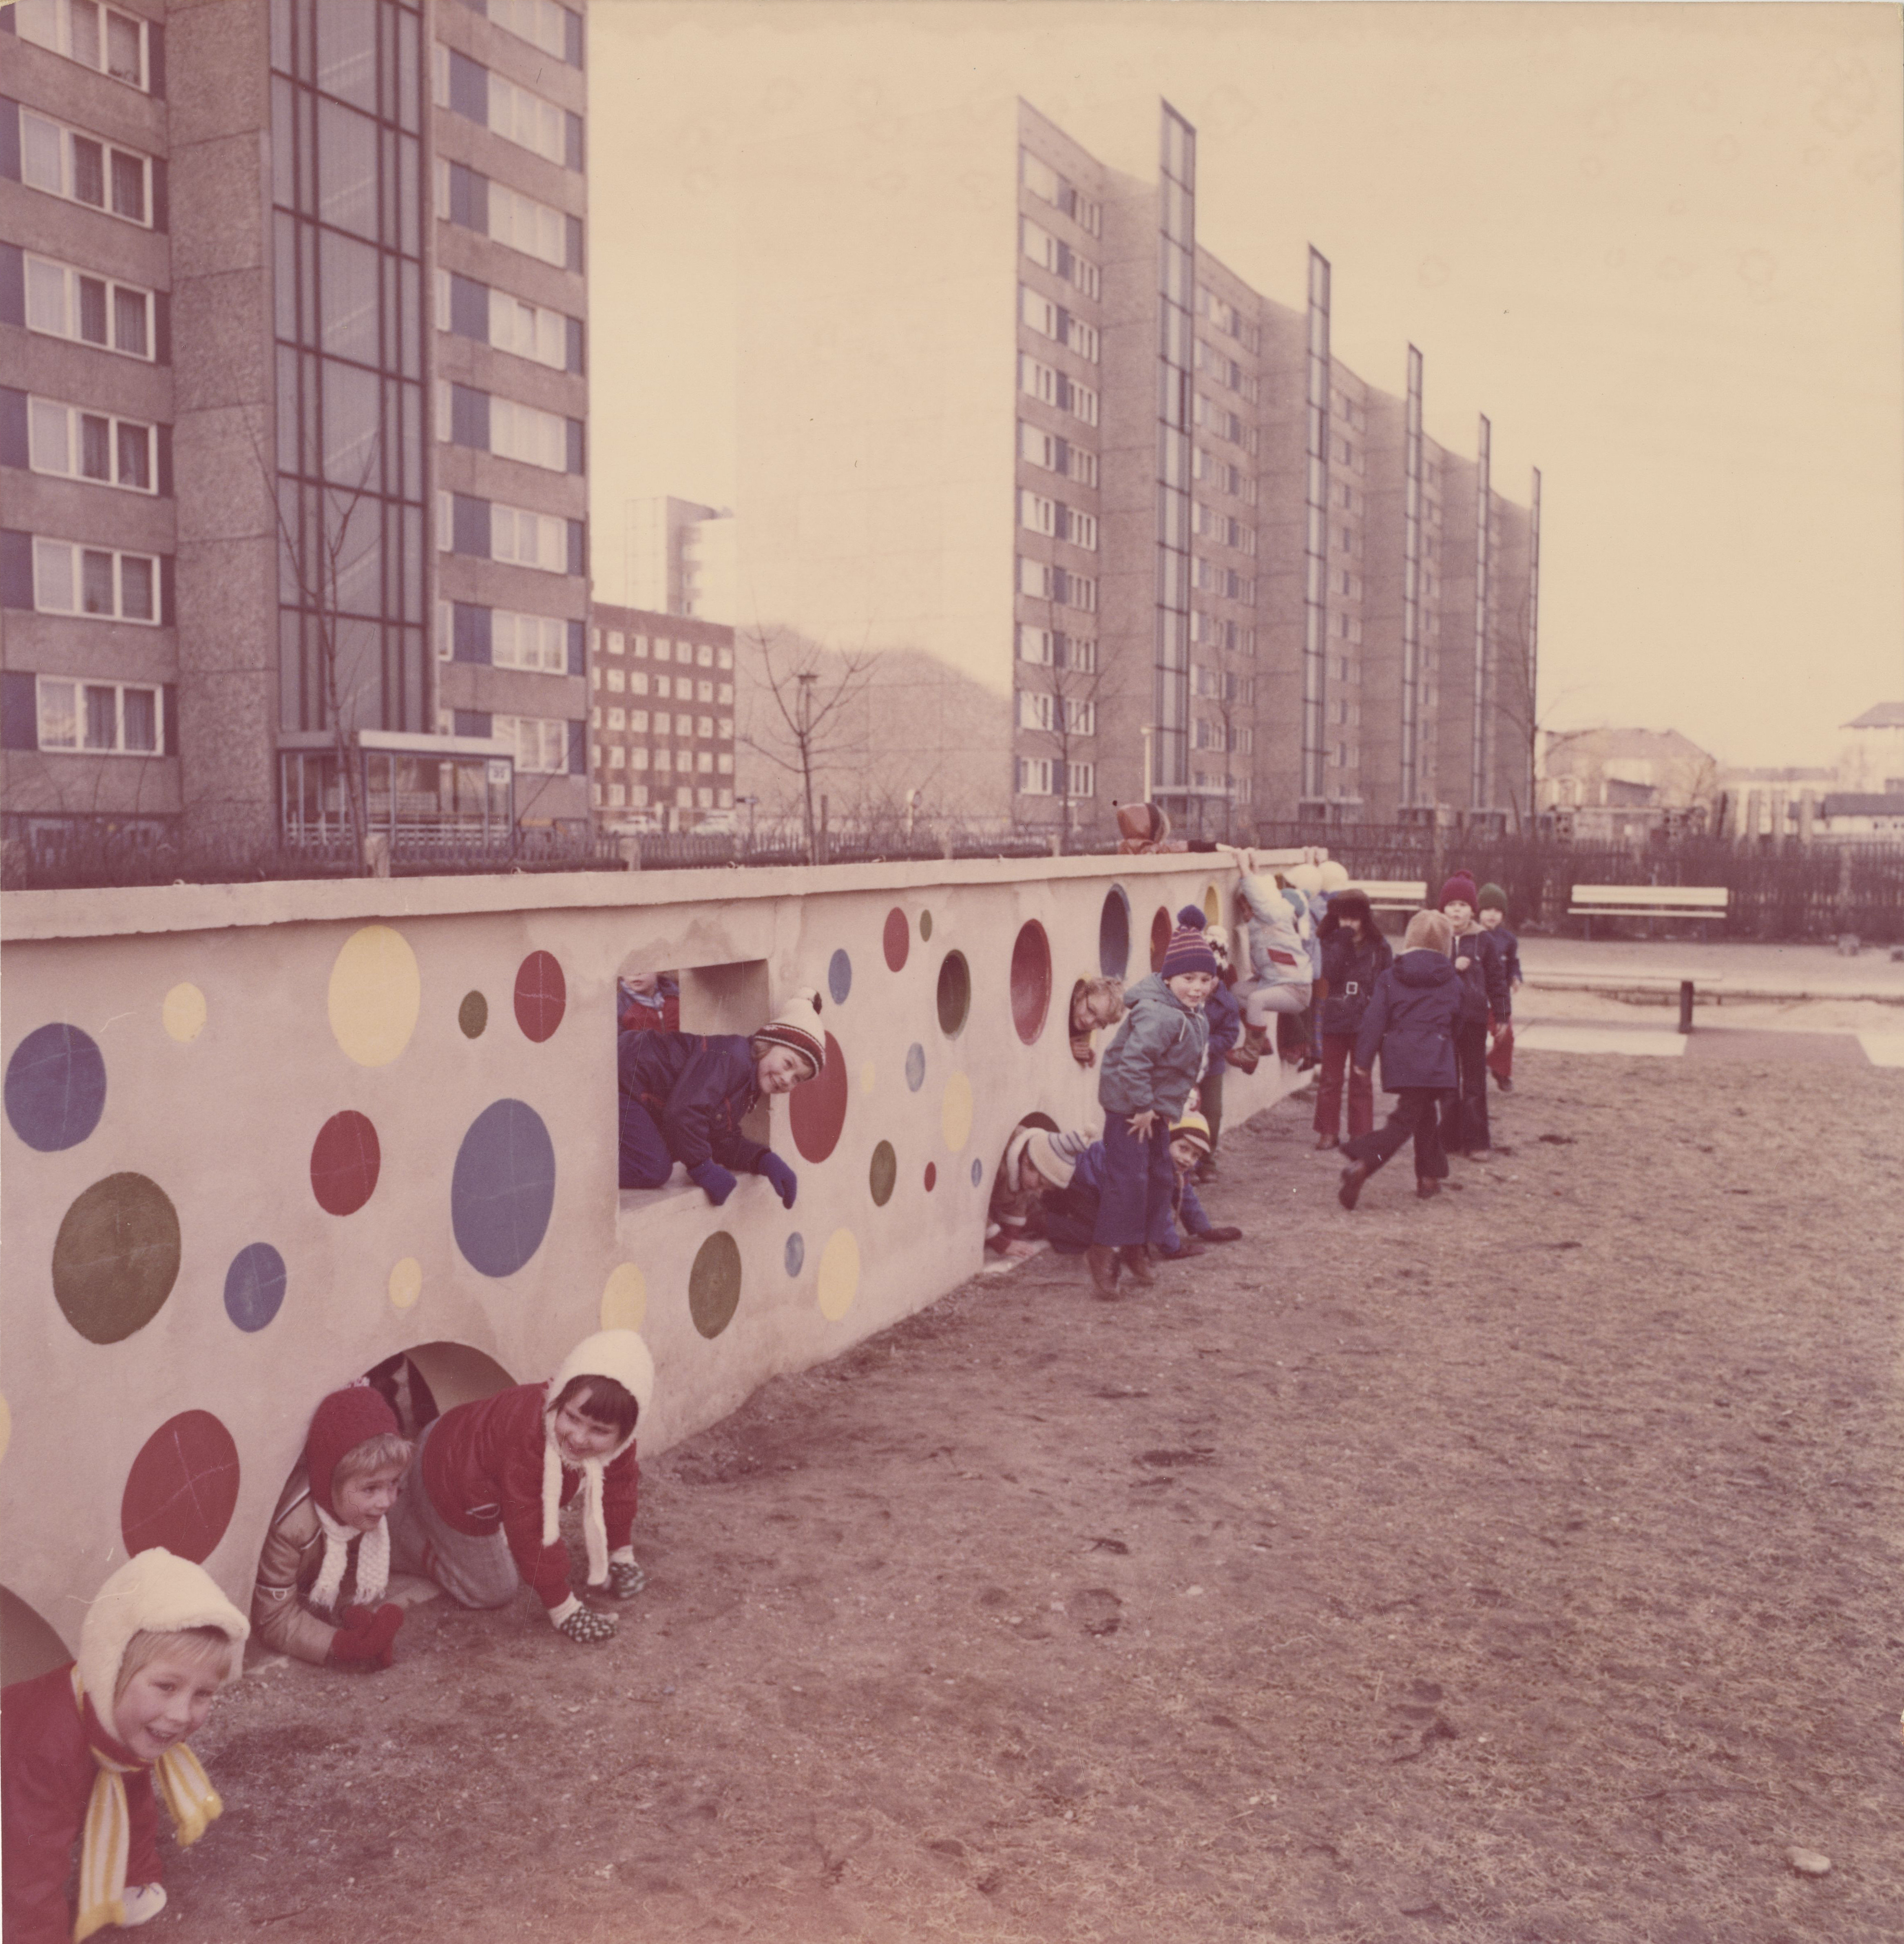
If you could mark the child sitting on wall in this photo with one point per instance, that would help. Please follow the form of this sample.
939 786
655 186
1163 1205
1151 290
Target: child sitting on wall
81 1747
683 1096
479 1509
1149 1070
1279 983
648 1002
326 1562
1095 1003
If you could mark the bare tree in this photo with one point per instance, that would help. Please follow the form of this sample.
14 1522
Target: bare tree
809 727
315 542
1064 707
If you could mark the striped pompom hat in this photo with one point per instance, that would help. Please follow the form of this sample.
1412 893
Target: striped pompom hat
797 1025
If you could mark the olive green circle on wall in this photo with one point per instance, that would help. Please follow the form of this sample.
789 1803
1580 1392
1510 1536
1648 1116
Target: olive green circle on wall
473 1015
116 1257
925 925
714 1283
883 1173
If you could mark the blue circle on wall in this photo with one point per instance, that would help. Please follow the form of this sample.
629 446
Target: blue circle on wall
915 1066
978 1170
56 1087
840 978
502 1191
795 1253
254 1286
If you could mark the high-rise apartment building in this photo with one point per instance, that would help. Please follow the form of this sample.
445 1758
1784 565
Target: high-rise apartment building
1192 554
292 320
682 559
661 719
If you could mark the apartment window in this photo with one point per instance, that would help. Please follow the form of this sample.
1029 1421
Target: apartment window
637 681
617 642
615 679
1034 776
1036 710
618 755
490 530
1044 182
638 759
724 728
117 44
1053 253
555 29
1034 645
1037 512
1080 779
1079 529
98 581
1076 651
65 162
616 793
1079 716
64 301
724 766
638 720
75 445
538 642
506 322
724 693
703 725
541 743
468 88
105 717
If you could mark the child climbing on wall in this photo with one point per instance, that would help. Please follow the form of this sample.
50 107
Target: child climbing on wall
326 1562
83 1747
1411 1023
1355 954
479 1509
1148 1071
683 1096
1493 922
1279 983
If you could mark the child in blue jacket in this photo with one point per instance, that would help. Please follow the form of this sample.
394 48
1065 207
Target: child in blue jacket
1411 1023
1225 1014
1493 922
683 1096
1147 1073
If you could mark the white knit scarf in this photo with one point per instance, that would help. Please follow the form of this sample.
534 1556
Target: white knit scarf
373 1561
594 1524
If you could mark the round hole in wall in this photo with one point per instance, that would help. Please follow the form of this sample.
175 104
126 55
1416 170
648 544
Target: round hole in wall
1030 980
1114 933
1160 930
954 994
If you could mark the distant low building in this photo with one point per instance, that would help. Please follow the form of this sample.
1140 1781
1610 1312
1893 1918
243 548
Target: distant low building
1850 813
1625 784
1871 759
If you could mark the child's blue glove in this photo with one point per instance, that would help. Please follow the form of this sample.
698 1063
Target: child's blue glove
786 1183
714 1180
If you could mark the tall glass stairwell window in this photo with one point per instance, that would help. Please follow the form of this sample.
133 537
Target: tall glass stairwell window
348 191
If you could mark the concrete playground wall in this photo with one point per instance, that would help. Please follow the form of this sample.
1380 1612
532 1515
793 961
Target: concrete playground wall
259 1139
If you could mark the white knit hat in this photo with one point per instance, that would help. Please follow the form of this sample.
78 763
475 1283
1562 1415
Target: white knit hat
154 1591
797 1024
618 1354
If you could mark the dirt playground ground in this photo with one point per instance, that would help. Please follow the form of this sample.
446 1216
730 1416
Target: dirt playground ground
1520 1565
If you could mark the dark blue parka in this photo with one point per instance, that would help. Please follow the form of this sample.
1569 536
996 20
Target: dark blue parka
697 1088
1226 1018
1484 985
1351 970
1411 1021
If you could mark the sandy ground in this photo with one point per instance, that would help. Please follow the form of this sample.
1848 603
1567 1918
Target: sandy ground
1519 1566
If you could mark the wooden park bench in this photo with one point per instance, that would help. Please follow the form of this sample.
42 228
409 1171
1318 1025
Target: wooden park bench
1612 981
1392 894
1703 902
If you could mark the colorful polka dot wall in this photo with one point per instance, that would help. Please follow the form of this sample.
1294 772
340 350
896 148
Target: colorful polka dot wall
254 1156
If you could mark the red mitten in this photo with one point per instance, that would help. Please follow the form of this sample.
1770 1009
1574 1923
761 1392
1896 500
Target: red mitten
371 1645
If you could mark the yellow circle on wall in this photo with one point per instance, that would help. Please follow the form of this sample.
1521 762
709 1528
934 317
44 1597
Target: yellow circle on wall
184 1012
6 1427
406 1283
955 1116
624 1298
376 992
838 1274
868 1074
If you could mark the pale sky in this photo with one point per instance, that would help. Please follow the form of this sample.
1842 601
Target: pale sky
1661 247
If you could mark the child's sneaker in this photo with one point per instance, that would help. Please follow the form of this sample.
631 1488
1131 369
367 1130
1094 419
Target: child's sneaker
143 1901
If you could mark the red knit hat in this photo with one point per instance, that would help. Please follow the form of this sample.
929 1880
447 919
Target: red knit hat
343 1421
1461 886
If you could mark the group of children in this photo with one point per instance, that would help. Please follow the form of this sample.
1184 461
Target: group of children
88 1750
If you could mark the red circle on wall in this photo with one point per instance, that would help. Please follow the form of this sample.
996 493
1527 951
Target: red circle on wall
1160 931
345 1161
816 1108
182 1488
541 995
898 939
1030 980
932 1176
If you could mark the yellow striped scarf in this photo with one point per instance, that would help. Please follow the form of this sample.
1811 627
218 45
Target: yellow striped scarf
189 1798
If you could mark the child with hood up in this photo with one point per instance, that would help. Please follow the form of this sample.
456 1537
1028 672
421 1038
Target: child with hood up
480 1508
83 1747
683 1096
326 1562
1355 954
1148 1071
1410 1022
